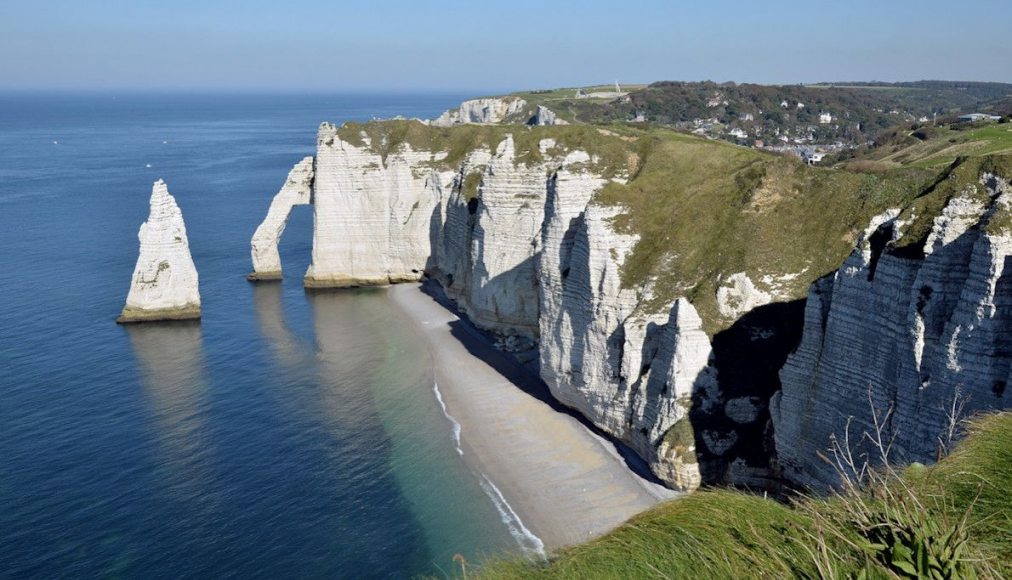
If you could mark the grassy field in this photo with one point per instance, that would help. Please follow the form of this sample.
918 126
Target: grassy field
963 503
936 147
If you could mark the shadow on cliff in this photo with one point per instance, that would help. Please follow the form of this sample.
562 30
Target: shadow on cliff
479 344
747 358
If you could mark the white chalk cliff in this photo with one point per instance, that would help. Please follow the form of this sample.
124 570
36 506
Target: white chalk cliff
481 111
525 253
297 190
373 213
545 116
906 331
519 239
164 284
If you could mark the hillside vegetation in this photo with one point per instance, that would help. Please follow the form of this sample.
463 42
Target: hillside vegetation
705 210
928 146
950 520
859 111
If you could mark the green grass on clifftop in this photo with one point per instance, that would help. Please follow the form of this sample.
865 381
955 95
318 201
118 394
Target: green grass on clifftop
729 534
705 210
386 137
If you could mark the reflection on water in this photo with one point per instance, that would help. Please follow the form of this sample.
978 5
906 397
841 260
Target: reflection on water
172 362
349 349
267 301
359 334
243 446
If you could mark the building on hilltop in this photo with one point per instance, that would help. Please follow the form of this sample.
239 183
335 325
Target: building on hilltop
978 116
811 156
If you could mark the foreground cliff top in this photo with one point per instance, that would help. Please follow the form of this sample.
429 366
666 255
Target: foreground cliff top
735 535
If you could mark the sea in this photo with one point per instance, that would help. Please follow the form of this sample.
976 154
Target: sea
286 435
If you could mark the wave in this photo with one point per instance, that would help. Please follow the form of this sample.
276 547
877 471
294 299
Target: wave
529 543
456 425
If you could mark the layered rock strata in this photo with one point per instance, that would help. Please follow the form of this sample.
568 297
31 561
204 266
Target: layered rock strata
503 291
164 284
373 213
918 334
297 190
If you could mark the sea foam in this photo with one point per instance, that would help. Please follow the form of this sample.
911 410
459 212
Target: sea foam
530 543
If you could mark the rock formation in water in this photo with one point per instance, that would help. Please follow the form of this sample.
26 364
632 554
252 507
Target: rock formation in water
482 111
915 329
164 284
297 190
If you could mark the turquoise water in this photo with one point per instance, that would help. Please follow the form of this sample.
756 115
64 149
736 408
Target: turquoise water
286 435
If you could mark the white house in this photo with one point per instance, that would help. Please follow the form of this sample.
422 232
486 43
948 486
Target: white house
811 157
825 118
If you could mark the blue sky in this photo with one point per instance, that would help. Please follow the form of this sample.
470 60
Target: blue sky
319 45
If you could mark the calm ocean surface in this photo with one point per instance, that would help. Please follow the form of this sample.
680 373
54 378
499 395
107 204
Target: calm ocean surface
286 435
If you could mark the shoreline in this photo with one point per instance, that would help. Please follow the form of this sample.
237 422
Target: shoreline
557 478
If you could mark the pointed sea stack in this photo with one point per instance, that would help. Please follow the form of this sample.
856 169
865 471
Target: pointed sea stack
164 285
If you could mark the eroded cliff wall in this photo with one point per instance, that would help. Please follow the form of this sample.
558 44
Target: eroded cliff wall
373 213
671 334
914 330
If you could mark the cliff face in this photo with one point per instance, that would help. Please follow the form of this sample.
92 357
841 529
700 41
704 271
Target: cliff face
164 283
658 284
916 330
632 375
524 251
502 292
484 111
373 213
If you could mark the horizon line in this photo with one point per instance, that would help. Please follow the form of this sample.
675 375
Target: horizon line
308 91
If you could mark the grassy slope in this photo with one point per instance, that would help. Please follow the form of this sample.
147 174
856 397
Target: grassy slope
961 178
728 534
388 136
705 210
937 147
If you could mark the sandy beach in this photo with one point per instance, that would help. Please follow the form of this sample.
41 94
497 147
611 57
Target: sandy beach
565 483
